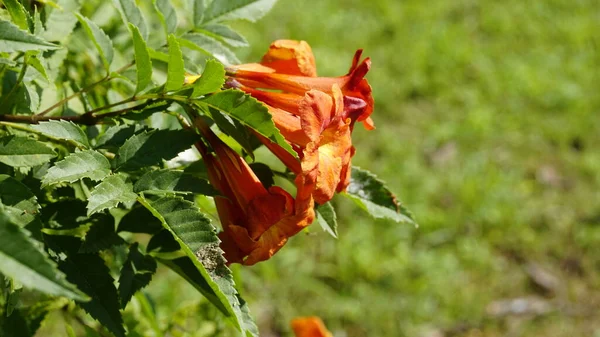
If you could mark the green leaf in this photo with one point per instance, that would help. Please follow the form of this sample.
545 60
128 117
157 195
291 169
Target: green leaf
101 236
209 46
100 40
166 15
171 181
109 193
250 10
115 136
21 259
61 21
198 240
18 13
139 220
136 273
63 130
91 275
151 147
86 164
327 219
143 63
175 68
132 14
13 39
234 129
225 34
371 194
20 204
212 79
24 152
199 8
35 62
249 112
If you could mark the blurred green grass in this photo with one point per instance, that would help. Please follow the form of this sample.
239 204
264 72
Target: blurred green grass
488 130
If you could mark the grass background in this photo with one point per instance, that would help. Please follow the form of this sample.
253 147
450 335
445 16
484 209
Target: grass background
488 130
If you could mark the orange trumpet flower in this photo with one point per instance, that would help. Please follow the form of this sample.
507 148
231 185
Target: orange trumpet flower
311 326
256 221
289 66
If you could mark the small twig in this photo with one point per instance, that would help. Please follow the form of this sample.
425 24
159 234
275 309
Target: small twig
82 91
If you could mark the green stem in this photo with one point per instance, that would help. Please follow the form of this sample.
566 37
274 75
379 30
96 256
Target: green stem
82 91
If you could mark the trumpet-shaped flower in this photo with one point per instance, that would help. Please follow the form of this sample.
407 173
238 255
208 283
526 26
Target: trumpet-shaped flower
289 66
256 221
310 326
315 125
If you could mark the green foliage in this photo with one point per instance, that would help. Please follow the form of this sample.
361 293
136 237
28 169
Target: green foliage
327 219
24 152
136 273
63 130
109 193
85 164
143 63
176 71
373 196
13 39
22 259
100 40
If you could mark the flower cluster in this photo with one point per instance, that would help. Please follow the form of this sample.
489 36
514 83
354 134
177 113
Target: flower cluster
316 116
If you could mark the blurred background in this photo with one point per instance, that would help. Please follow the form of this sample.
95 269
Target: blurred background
488 129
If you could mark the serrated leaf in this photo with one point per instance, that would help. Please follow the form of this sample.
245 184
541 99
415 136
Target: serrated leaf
136 273
233 129
172 181
61 20
249 112
24 152
38 27
139 220
109 193
175 67
371 194
212 79
116 136
166 15
91 275
86 164
13 39
143 63
209 46
151 147
198 12
20 204
198 240
225 34
327 219
101 236
250 10
61 129
35 62
132 14
21 259
100 40
18 13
